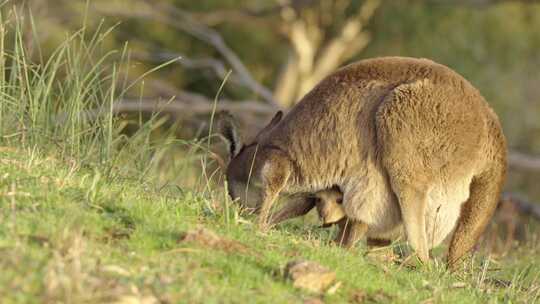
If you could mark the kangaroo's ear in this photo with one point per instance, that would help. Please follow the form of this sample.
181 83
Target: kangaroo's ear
275 120
227 127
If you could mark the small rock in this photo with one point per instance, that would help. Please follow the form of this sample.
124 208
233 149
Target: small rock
309 275
207 238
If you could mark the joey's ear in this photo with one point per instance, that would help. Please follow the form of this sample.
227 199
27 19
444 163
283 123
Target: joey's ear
227 127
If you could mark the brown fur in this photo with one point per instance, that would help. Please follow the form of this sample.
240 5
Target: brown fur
413 146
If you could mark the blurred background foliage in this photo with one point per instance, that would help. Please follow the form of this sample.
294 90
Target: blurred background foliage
278 49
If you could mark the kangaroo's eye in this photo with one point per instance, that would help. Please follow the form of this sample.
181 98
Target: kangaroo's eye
340 201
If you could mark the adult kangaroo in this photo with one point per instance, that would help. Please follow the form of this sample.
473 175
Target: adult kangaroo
408 141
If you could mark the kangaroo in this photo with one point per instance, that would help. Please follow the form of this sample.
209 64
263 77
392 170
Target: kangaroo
412 145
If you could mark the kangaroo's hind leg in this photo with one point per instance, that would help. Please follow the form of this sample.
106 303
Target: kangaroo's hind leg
413 202
476 213
412 145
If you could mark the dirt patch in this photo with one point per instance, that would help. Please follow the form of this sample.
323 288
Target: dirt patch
207 238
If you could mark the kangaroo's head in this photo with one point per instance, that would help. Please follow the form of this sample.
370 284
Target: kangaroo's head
246 160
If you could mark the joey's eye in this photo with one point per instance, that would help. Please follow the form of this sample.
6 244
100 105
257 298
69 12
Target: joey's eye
339 201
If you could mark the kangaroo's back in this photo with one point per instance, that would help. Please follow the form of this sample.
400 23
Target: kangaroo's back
334 124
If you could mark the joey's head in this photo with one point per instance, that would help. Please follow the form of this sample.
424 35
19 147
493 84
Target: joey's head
243 172
329 204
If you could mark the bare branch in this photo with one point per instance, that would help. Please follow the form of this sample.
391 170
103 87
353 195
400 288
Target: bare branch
304 47
192 63
314 60
190 105
521 161
182 21
287 81
217 66
350 41
249 14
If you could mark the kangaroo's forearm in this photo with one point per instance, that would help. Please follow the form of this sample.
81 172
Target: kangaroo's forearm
292 209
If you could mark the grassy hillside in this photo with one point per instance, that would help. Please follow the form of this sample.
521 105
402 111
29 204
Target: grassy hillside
72 234
91 215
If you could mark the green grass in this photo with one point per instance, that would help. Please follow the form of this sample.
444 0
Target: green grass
89 214
70 234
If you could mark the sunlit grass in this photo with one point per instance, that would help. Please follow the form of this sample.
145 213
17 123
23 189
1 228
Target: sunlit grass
90 214
73 234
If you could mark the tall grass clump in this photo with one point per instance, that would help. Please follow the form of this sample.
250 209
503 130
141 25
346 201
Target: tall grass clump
65 101
45 101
